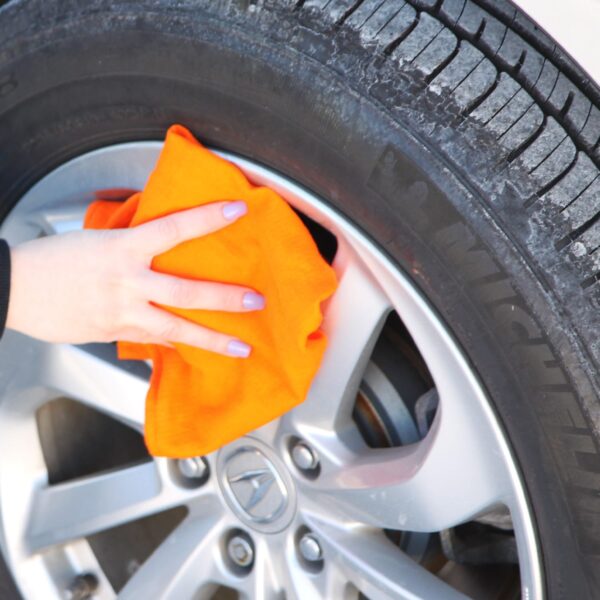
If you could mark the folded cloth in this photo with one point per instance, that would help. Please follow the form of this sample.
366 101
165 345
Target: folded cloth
199 400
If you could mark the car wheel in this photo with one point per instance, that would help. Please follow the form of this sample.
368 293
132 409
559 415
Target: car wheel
444 156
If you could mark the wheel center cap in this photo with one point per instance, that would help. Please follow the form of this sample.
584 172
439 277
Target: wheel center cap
256 485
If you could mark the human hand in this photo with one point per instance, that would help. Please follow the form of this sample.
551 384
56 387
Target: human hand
96 285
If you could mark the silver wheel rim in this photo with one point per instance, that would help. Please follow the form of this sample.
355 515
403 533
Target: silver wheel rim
461 469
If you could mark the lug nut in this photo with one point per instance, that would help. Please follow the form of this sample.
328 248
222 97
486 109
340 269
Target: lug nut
82 587
240 551
310 549
192 468
304 457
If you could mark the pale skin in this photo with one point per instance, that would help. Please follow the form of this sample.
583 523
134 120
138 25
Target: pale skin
97 285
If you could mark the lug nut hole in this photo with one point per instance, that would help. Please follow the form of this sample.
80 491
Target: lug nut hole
304 458
190 472
309 550
239 551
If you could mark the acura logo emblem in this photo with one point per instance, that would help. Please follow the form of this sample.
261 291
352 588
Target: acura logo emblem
261 481
255 486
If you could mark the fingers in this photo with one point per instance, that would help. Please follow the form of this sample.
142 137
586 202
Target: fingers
160 235
209 295
159 326
156 341
162 325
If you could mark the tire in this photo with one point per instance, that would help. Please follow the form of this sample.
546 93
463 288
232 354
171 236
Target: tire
454 133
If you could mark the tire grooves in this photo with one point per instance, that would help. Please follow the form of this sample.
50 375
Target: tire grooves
468 74
516 122
567 105
348 13
533 41
389 49
370 15
546 188
578 232
550 153
477 35
501 108
560 115
444 63
479 101
587 117
390 19
427 45
502 65
520 62
496 46
514 154
570 203
590 281
552 90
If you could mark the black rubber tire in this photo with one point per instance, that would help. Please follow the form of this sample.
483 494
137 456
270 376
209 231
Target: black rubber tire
453 132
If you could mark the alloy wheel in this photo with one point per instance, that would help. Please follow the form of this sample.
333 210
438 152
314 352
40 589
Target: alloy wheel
304 504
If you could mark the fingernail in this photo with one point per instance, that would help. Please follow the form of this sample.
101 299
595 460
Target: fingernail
253 301
234 210
238 348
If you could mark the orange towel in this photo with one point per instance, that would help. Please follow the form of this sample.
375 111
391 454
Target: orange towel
199 400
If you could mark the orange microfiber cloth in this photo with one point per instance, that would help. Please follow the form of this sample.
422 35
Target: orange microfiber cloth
199 400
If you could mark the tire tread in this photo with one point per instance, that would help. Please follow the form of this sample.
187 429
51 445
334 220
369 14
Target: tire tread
503 73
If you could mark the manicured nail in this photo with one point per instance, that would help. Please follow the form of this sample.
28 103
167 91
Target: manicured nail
238 348
253 301
234 210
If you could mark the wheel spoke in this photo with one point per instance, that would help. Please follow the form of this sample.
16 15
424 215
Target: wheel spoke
259 584
446 479
34 372
23 359
302 584
352 322
99 379
60 219
185 563
77 508
377 567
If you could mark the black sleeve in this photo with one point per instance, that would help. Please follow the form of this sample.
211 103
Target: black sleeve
4 282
